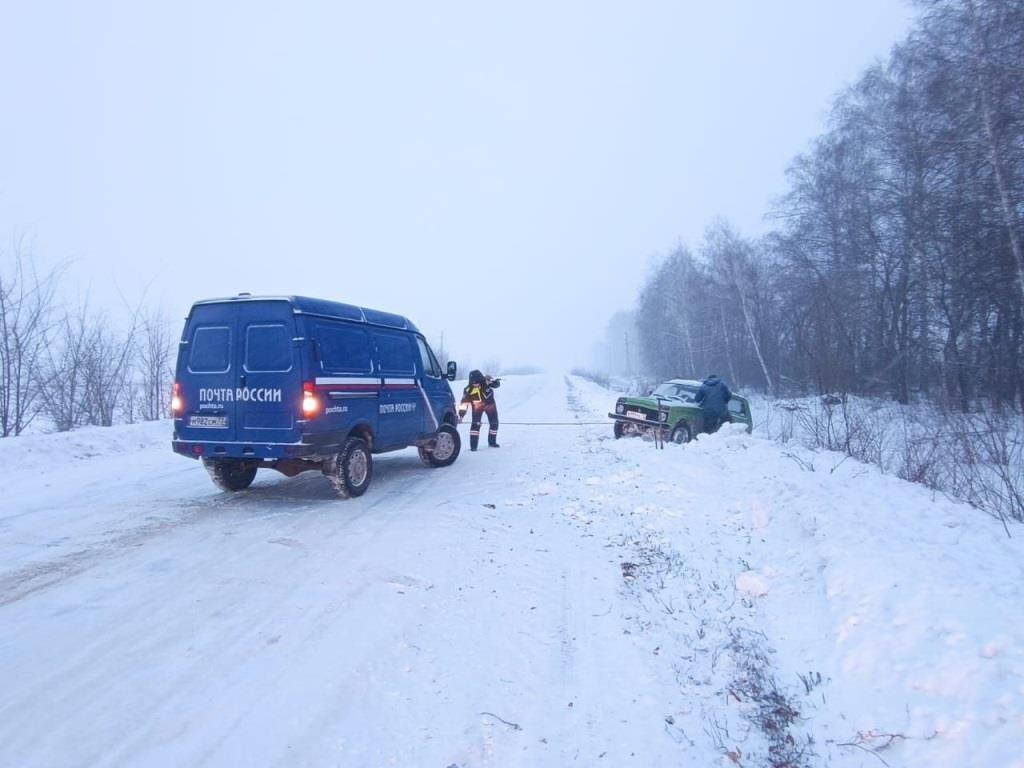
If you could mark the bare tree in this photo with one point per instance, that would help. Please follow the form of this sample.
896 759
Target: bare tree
106 369
896 267
155 360
983 61
25 307
734 259
62 373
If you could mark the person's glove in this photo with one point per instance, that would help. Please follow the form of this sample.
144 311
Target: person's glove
462 412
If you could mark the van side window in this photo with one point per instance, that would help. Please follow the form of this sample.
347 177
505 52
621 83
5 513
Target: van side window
211 350
343 348
429 362
735 406
268 348
394 351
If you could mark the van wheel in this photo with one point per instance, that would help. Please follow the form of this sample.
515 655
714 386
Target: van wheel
447 445
230 475
619 429
681 434
351 471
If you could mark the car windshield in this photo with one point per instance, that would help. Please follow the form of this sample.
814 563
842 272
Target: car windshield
687 393
669 389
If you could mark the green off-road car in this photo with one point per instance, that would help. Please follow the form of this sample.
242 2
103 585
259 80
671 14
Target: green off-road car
672 409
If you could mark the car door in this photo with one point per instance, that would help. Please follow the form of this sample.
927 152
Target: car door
739 411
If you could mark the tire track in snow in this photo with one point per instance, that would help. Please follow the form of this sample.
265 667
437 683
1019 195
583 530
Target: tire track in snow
28 580
203 584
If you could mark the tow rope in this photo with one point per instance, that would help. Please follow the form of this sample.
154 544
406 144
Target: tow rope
504 423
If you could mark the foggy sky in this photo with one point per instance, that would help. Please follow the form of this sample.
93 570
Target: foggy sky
500 172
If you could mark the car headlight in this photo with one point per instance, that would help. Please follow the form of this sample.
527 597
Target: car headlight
620 408
663 416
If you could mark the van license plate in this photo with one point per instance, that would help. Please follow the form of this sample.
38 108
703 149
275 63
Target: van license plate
637 415
208 422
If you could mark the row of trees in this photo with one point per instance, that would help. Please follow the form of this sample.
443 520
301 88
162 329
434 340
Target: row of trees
71 365
896 266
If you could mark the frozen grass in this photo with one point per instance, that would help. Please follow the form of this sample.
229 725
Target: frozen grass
974 457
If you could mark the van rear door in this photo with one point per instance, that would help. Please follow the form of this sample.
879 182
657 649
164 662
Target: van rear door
240 374
269 392
207 374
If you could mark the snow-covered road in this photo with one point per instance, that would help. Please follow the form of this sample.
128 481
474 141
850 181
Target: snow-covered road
567 599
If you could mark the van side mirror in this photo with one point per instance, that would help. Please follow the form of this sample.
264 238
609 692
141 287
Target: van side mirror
453 370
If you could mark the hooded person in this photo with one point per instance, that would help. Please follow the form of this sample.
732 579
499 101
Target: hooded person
479 395
713 398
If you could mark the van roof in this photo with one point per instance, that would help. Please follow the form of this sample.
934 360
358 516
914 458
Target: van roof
304 305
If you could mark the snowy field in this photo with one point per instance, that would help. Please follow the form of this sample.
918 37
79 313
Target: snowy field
565 600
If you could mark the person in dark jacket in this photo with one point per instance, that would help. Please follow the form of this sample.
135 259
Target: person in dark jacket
479 395
713 398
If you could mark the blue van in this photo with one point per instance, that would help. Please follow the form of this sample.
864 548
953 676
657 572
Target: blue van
295 384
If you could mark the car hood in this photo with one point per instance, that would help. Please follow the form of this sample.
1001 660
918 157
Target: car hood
650 402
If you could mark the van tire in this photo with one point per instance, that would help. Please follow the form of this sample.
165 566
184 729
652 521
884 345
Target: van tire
450 444
230 475
351 471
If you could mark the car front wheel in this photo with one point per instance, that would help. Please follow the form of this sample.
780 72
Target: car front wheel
681 434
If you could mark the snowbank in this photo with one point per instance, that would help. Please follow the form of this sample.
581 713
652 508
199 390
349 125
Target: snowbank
895 616
37 450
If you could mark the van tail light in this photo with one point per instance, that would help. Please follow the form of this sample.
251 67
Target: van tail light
310 402
177 403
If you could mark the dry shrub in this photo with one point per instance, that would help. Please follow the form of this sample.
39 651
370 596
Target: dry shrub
975 457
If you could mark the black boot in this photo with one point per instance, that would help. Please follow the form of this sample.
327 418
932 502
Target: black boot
474 441
492 442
